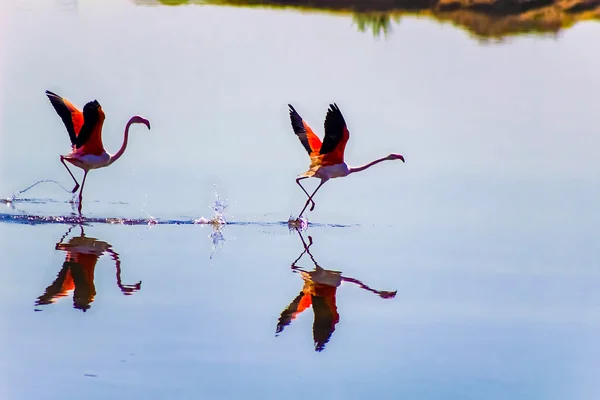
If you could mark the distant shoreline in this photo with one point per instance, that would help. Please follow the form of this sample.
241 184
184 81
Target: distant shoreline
493 7
484 19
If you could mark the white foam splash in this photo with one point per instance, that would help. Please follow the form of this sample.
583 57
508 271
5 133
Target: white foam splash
300 223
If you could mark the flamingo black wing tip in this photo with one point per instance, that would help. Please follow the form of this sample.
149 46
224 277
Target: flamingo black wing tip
295 117
334 107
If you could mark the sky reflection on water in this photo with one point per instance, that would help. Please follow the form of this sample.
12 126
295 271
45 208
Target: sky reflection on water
487 234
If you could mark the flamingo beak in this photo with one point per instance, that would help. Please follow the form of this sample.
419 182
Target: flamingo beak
147 123
402 158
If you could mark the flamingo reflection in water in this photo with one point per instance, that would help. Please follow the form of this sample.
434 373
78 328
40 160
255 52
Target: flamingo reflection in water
320 287
77 272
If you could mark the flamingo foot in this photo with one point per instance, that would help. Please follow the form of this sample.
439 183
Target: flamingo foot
299 223
130 289
312 207
75 188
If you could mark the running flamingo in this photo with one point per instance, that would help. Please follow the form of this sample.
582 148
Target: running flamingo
319 291
77 272
85 132
327 158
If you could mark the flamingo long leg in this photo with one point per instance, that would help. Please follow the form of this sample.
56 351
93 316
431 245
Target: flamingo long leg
64 236
81 191
62 160
304 190
310 198
306 250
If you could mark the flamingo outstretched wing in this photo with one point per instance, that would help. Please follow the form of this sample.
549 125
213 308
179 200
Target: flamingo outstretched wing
299 304
84 128
59 288
326 317
71 116
336 136
309 140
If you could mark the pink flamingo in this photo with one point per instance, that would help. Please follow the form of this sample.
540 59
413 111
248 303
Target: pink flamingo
77 272
327 158
85 132
320 291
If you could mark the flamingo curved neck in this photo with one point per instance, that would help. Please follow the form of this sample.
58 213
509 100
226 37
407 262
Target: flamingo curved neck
352 170
119 153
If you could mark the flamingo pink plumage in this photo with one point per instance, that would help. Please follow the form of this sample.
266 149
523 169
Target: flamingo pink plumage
327 158
85 132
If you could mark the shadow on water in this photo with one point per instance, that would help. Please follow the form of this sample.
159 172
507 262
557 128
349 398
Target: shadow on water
77 272
486 20
319 291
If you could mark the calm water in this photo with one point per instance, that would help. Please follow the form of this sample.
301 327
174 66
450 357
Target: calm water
488 233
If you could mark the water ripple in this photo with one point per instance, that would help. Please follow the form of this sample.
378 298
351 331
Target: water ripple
83 220
217 220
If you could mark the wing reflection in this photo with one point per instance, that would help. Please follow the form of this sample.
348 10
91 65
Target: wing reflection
77 272
319 291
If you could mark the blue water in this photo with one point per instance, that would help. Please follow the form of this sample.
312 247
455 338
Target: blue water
487 234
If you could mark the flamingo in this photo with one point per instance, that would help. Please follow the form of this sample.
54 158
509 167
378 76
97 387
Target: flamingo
327 158
77 272
319 291
85 132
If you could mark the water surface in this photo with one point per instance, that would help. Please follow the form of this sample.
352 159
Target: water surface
488 232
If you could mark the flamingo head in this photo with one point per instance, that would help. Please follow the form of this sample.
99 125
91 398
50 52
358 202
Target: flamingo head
139 120
396 157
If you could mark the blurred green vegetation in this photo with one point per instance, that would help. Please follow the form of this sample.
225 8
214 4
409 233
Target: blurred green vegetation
380 24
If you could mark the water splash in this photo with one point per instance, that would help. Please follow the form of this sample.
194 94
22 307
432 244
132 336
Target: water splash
83 220
15 196
218 221
217 238
218 209
297 224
